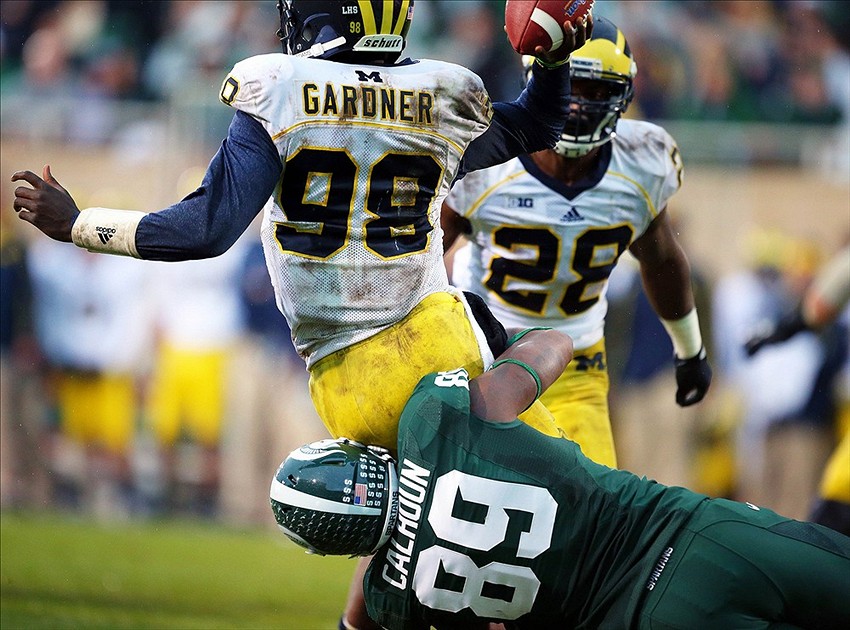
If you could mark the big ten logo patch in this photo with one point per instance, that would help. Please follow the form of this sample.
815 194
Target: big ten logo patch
521 202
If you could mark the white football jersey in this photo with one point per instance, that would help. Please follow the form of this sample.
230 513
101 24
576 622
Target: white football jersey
541 253
352 234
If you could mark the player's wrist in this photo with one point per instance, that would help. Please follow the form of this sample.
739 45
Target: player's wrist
685 335
523 333
107 231
549 65
531 371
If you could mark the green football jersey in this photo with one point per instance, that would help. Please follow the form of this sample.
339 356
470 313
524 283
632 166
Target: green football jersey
500 522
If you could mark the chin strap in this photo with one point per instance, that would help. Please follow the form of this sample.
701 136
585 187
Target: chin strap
317 50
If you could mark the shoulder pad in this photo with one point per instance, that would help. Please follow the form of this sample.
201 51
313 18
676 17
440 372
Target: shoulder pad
649 145
256 84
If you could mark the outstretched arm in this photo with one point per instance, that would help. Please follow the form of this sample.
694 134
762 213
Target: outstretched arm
666 275
239 180
821 304
510 387
535 120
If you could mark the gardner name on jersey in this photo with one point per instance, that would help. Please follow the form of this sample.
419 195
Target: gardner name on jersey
328 231
385 104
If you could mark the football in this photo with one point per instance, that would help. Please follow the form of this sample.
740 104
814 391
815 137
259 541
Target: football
533 23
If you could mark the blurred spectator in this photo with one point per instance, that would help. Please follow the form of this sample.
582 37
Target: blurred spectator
825 307
269 412
23 470
197 322
73 56
18 21
654 436
784 435
201 40
735 60
473 31
93 327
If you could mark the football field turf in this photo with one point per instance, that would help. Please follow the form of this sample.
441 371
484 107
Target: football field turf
59 572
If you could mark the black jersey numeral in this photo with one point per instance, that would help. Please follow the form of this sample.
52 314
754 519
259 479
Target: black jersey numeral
595 254
317 196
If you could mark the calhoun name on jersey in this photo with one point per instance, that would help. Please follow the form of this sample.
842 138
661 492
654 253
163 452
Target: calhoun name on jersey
543 250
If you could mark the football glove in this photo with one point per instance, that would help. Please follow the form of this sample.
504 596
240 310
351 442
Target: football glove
693 377
494 332
781 331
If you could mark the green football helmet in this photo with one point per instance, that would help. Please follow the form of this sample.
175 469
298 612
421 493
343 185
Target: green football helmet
336 497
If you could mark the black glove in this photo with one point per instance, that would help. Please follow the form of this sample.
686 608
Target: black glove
786 328
693 376
494 332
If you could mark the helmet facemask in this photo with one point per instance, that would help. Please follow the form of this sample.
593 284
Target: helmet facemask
596 105
336 497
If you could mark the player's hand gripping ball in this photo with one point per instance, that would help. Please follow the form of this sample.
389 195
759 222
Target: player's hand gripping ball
533 23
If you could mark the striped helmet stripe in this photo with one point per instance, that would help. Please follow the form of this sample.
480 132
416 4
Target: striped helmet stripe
621 41
368 17
402 17
290 496
387 17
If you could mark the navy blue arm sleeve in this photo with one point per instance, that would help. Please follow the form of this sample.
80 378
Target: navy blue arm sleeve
239 180
531 123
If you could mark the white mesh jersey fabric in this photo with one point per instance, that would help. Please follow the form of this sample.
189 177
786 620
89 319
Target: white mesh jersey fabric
539 258
352 235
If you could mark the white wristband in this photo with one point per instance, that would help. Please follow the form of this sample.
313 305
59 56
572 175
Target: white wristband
685 335
107 231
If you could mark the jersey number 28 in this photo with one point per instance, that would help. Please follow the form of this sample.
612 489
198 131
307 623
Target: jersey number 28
592 273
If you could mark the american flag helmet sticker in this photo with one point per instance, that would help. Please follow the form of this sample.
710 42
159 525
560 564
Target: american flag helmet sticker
359 494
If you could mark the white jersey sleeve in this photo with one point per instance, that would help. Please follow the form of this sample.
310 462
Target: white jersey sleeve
352 235
649 155
540 252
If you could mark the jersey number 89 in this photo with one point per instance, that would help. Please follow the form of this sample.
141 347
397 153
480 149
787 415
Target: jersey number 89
496 590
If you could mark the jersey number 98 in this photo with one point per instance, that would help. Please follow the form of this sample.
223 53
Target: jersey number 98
317 195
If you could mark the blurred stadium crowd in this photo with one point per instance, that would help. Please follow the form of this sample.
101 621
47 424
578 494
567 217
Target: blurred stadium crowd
78 328
774 61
